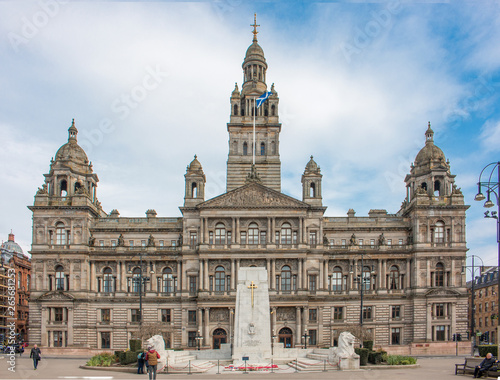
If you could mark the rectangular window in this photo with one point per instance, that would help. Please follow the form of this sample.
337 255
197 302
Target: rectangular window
161 243
400 241
105 315
396 335
101 243
193 285
191 338
113 243
485 307
295 237
166 315
135 315
360 242
367 312
389 241
210 237
294 282
440 310
338 313
313 239
58 314
131 243
313 315
229 237
58 338
243 237
173 243
262 237
440 332
105 339
396 312
343 243
277 237
372 242
191 316
143 243
312 282
193 239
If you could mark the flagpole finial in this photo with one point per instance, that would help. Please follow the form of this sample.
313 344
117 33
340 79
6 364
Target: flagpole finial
255 27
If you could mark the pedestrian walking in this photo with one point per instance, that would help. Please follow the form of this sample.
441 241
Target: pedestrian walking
152 358
36 354
140 363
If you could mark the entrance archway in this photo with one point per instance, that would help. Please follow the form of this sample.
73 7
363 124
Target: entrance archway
219 337
285 336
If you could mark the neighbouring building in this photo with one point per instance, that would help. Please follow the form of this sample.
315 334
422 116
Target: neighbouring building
97 275
485 304
14 258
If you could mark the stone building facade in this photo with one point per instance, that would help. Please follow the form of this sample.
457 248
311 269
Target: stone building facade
485 303
98 275
14 258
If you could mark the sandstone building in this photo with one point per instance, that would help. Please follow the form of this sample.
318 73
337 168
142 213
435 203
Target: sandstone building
98 275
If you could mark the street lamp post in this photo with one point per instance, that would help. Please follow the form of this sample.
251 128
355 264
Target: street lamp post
198 338
142 281
305 336
362 280
273 337
492 186
473 268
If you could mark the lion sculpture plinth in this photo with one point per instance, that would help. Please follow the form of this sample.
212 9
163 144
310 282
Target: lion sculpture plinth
157 342
344 354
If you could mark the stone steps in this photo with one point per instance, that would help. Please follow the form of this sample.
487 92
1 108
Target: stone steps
306 365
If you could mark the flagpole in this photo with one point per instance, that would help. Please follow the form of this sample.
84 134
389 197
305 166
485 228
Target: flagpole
254 112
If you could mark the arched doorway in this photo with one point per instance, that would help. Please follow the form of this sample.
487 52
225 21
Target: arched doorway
285 336
219 337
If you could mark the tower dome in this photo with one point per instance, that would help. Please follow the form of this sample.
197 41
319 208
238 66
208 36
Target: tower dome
71 151
11 248
429 152
195 166
312 166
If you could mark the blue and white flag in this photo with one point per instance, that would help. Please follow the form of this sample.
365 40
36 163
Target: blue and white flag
263 98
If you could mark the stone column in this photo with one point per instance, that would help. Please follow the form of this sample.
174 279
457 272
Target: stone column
181 272
301 225
325 274
299 326
44 337
273 274
92 276
429 322
237 232
233 274
202 233
269 231
320 340
269 275
184 331
320 279
199 319
299 277
205 272
44 285
304 274
408 277
124 277
453 318
274 319
70 326
207 327
201 278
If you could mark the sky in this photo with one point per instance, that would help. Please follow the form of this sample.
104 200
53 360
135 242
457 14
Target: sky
148 84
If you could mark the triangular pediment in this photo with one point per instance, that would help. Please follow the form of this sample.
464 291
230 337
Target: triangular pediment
56 296
253 195
441 292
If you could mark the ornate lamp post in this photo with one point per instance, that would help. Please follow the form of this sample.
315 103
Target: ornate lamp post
492 186
473 269
198 338
141 281
362 281
273 337
305 336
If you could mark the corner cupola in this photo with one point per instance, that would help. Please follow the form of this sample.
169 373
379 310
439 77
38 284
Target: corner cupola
311 184
254 66
195 184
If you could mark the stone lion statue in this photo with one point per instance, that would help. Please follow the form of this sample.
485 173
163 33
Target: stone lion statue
346 346
157 342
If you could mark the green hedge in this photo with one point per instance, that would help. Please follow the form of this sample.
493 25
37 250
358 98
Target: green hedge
363 355
135 344
376 357
102 360
400 360
368 344
484 349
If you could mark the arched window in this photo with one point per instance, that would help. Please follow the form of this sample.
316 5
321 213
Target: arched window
64 188
194 190
108 280
59 277
273 110
312 190
286 233
60 234
168 280
439 275
253 233
437 188
19 279
439 232
245 148
220 279
286 278
242 108
235 112
220 234
28 282
136 280
262 149
366 278
337 279
394 277
273 147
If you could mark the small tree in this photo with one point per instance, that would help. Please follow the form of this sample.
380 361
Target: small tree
147 330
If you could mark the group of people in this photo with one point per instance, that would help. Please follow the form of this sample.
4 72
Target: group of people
149 359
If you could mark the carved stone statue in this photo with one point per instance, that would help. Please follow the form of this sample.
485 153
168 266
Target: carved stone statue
179 242
91 240
151 241
353 241
121 241
381 239
42 190
251 329
157 342
325 240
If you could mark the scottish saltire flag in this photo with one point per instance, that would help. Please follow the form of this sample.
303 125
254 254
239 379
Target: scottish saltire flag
263 98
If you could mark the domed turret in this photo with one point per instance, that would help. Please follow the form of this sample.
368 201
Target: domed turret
195 184
254 66
311 184
11 248
429 152
71 151
312 167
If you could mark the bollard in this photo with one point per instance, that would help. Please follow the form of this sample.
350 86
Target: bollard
272 365
296 365
167 366
189 370
324 365
218 367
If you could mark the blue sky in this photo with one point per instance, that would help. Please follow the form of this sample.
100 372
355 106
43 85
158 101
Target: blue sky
357 81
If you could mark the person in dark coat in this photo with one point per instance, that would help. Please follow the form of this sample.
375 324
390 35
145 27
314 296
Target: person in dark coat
36 354
485 365
140 363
